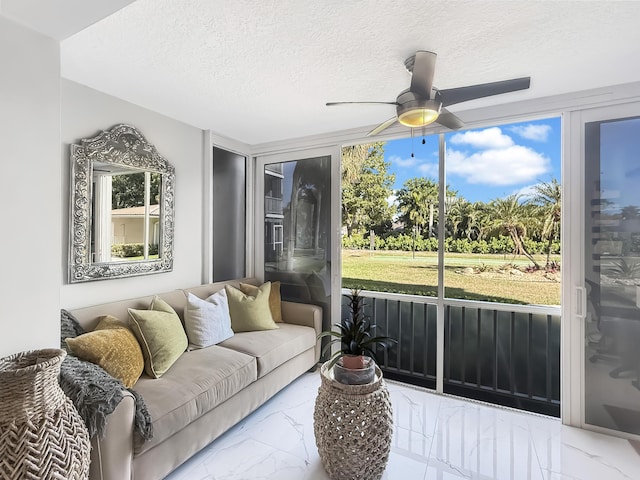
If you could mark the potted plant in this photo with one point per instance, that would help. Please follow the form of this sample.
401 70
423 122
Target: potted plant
354 362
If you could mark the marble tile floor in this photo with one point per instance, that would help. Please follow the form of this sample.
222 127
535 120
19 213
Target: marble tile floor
435 438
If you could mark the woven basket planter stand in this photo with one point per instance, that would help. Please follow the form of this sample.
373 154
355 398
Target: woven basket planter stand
42 436
353 425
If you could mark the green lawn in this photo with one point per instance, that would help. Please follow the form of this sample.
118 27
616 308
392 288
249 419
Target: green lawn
400 272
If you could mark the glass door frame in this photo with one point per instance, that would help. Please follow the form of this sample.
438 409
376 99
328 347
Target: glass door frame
334 152
574 302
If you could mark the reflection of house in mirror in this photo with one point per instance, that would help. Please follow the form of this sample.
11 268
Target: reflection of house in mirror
126 211
128 225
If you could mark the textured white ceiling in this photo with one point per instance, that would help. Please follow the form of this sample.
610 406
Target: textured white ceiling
59 18
260 71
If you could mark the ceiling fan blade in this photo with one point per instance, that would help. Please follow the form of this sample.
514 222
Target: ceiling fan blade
332 104
451 96
449 120
423 69
382 126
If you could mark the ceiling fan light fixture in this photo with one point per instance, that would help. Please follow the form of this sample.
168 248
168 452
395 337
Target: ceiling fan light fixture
416 112
418 117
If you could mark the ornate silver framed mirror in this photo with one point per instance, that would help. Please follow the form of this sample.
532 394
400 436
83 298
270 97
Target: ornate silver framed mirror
121 207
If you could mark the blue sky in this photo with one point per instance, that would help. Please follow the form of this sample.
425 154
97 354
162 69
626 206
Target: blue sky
619 147
486 163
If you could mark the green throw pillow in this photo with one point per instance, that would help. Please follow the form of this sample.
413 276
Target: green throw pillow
249 313
160 334
275 302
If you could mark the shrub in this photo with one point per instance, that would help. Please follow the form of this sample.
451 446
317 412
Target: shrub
127 250
405 242
355 241
479 246
501 244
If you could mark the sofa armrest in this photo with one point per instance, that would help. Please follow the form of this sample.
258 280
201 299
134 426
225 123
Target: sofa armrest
112 455
306 315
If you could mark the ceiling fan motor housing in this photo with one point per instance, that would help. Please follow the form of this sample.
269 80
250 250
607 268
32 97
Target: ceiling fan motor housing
415 111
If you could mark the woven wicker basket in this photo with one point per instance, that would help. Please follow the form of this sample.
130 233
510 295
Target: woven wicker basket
42 436
353 425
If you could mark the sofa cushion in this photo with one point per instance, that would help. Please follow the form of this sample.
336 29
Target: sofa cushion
272 348
160 334
112 346
207 322
275 302
196 383
248 312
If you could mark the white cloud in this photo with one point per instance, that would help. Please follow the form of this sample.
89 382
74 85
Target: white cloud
429 170
527 191
498 167
539 133
421 165
403 162
490 138
391 199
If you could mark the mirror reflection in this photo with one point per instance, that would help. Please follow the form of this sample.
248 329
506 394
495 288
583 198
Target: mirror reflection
121 207
126 214
612 275
297 226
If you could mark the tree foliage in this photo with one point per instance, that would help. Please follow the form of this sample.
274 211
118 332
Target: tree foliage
528 222
548 198
512 216
418 204
128 190
366 185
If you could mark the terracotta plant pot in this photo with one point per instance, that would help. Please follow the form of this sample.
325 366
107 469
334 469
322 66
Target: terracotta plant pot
353 362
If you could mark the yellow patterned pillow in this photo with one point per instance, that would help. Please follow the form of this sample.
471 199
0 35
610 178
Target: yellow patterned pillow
275 301
113 347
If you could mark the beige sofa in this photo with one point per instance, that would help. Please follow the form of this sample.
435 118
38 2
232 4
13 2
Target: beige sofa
205 392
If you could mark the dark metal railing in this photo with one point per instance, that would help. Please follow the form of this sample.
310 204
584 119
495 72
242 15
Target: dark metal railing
499 353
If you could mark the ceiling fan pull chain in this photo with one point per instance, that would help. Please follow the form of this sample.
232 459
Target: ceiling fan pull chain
412 155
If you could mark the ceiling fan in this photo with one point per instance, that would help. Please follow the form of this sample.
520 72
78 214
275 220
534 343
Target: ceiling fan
422 103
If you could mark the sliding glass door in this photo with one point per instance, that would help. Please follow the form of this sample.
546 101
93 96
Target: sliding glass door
611 358
297 215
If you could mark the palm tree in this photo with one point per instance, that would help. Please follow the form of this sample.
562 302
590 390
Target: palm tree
548 197
478 221
459 217
417 200
423 203
513 216
454 219
630 212
418 203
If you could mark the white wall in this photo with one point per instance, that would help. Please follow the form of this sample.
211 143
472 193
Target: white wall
84 113
30 269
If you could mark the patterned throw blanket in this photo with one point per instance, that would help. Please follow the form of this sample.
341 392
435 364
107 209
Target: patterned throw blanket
93 391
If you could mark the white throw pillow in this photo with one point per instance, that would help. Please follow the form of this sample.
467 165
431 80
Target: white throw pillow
207 322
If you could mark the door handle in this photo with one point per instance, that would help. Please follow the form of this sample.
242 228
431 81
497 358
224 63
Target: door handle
581 303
